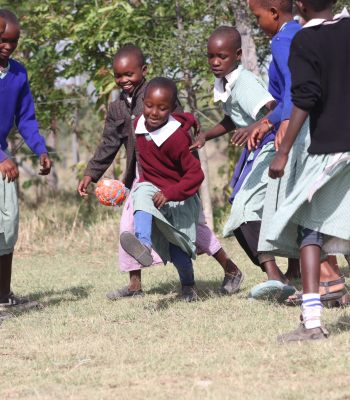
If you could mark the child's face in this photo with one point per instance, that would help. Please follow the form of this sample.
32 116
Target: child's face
128 73
267 19
158 104
9 41
222 57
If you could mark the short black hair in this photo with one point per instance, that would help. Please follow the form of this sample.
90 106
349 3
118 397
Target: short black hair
9 16
230 32
285 6
128 49
319 5
163 83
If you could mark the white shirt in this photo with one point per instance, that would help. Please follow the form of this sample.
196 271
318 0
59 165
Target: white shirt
219 93
160 135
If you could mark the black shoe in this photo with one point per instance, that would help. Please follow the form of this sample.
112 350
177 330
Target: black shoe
189 294
123 292
12 302
232 283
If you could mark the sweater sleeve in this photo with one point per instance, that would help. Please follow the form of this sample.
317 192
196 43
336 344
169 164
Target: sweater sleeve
192 177
26 121
108 147
306 76
280 52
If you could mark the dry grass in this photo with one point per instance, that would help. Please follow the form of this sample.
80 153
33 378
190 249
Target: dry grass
80 346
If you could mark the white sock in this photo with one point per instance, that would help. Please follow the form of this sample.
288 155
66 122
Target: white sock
312 308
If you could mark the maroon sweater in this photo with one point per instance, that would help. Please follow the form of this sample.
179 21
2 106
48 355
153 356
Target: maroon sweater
171 167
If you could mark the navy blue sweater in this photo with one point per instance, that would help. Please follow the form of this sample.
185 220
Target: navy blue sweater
320 66
17 107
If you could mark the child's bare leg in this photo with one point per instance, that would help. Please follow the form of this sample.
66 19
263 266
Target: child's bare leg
273 272
5 275
135 280
225 261
310 257
293 271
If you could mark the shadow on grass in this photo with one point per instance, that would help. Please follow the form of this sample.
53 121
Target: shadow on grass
341 325
53 297
74 293
206 289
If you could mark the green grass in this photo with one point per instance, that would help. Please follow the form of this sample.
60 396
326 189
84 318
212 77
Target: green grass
80 346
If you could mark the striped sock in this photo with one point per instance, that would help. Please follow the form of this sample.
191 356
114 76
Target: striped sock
311 310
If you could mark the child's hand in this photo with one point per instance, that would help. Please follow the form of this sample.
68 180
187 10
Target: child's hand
46 164
159 200
280 133
9 170
240 136
83 185
199 143
277 165
256 135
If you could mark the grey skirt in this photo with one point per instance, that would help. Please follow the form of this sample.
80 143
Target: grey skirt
176 222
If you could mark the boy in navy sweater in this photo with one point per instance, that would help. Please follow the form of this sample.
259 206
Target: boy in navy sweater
16 105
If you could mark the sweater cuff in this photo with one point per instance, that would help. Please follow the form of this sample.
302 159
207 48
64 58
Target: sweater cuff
170 194
40 149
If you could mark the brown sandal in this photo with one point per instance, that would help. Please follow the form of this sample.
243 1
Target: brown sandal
297 298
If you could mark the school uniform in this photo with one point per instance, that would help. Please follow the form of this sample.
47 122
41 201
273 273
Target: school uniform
167 165
118 132
16 107
280 88
243 98
317 209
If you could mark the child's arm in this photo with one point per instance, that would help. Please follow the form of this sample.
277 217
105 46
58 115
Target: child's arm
225 126
190 167
104 154
306 93
279 162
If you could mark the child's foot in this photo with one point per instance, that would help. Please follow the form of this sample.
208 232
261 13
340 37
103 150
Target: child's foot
302 334
136 249
123 292
189 294
232 283
12 302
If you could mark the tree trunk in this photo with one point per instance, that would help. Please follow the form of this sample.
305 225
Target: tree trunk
192 103
75 144
52 178
241 13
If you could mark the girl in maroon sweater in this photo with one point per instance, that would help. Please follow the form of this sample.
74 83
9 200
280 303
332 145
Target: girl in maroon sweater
166 204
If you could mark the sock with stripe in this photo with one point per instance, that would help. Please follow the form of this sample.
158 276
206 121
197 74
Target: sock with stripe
311 310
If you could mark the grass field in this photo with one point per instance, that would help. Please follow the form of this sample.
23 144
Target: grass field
80 346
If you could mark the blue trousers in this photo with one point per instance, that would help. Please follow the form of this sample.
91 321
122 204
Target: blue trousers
181 260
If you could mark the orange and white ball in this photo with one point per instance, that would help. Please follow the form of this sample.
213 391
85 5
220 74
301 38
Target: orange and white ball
111 192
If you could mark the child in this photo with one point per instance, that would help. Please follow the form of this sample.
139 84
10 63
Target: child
129 70
245 100
276 19
16 105
166 205
318 206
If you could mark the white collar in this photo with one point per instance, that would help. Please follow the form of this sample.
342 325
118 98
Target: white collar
160 135
219 93
322 21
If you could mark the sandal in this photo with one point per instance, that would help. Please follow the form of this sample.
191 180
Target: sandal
297 298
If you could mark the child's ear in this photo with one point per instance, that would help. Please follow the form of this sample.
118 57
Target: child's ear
275 13
144 70
239 54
